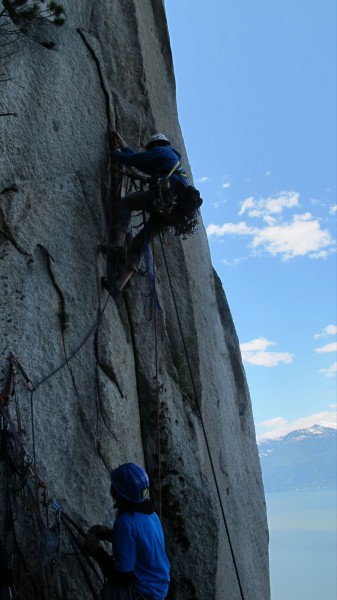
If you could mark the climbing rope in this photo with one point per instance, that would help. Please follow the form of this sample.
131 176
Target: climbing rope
75 351
150 263
197 404
116 184
157 388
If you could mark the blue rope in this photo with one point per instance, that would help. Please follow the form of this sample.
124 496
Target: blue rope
150 271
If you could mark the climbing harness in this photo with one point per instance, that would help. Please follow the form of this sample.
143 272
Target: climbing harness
186 198
190 201
165 196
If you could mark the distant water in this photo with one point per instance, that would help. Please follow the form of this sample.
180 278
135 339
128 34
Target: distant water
303 545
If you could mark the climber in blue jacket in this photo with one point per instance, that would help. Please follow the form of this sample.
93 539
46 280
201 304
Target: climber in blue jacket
139 561
159 160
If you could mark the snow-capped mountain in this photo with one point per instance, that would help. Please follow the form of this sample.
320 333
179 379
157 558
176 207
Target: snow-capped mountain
304 459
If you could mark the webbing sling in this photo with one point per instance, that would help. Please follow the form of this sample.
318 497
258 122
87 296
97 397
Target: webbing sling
176 166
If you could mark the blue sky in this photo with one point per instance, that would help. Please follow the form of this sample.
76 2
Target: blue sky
256 93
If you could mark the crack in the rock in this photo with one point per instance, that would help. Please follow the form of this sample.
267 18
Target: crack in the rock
9 236
99 409
101 77
133 345
12 188
93 216
63 316
111 375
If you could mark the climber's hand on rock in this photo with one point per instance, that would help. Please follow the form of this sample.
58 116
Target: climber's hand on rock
113 140
91 544
116 140
100 532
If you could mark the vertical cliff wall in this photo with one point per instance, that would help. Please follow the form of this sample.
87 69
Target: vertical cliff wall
96 363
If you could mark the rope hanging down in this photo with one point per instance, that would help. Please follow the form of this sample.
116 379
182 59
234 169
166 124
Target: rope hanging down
197 403
154 302
73 354
157 308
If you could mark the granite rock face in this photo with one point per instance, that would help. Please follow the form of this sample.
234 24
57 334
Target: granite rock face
112 386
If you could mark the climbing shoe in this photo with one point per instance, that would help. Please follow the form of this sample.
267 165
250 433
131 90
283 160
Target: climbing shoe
102 248
111 287
118 252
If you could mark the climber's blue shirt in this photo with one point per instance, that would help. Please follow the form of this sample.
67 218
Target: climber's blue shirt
138 546
157 162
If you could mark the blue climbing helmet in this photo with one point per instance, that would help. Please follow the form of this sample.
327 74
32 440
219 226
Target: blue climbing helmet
130 482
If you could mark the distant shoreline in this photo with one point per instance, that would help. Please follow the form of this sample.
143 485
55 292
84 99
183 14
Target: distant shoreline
304 489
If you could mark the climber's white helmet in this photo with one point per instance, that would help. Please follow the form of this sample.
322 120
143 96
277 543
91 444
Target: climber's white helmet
157 137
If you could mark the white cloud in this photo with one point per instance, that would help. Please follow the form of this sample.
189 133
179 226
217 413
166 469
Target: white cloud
316 202
330 372
274 423
303 236
267 359
300 237
329 330
256 353
280 426
271 205
333 210
332 347
226 185
257 344
246 205
202 180
322 253
233 263
269 220
229 228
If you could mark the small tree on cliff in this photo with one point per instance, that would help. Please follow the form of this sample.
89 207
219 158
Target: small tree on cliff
16 18
23 11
